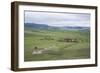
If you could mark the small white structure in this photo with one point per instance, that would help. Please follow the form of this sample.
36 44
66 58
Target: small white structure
39 51
36 52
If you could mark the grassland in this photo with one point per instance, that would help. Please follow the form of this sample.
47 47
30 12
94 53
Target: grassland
60 50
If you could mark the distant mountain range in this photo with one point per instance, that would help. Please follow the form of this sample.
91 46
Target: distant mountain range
45 27
75 28
34 25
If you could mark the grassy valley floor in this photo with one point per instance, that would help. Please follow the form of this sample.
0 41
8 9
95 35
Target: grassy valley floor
59 44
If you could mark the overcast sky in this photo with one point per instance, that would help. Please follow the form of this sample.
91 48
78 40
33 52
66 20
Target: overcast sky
58 19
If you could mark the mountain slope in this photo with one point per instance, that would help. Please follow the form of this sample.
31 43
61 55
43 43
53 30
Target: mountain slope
46 27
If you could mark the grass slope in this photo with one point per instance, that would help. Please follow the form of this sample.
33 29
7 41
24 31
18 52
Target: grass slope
61 50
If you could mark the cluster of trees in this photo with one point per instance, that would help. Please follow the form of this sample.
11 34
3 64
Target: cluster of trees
68 40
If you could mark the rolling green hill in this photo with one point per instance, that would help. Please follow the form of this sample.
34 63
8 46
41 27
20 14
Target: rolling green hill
60 44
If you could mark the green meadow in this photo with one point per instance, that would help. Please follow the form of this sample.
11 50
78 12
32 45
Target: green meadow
59 44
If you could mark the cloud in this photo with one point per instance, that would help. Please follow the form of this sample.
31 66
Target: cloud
58 19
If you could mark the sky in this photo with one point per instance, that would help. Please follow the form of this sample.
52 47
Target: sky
57 19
